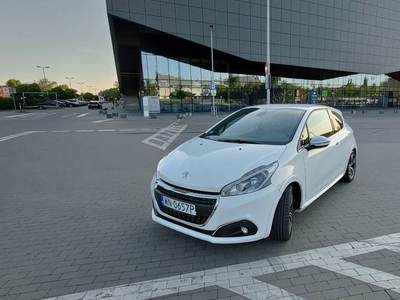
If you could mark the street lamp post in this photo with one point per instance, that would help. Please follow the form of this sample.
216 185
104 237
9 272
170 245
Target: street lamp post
69 78
268 73
45 80
212 69
80 83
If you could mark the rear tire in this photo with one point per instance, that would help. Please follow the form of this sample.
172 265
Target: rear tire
283 218
351 168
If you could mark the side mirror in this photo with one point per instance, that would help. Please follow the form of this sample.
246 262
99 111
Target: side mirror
319 142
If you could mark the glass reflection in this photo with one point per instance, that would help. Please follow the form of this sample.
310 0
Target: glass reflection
183 86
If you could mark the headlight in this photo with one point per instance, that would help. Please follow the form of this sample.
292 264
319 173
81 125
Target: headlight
158 167
250 182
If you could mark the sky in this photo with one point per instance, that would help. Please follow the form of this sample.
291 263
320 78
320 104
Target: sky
71 37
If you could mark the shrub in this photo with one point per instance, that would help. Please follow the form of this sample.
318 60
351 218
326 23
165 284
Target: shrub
6 103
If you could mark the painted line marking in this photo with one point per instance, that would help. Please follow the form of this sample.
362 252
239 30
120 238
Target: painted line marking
146 129
101 121
61 131
84 130
106 130
124 130
68 115
19 116
82 115
240 278
170 139
9 137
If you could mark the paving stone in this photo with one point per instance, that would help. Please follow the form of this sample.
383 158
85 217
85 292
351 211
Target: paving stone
359 289
381 295
335 293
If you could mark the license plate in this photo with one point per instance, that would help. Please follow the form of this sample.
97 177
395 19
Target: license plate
186 208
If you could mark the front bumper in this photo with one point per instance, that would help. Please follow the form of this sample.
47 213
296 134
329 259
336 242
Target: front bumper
223 220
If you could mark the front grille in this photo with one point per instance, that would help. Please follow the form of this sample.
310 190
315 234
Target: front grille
204 206
185 197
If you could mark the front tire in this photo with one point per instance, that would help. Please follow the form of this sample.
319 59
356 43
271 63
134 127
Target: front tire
351 168
283 218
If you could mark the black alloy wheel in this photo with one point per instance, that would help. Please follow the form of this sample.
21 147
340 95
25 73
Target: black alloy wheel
283 219
351 168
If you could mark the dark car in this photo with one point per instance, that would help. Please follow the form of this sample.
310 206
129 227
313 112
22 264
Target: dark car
48 103
95 104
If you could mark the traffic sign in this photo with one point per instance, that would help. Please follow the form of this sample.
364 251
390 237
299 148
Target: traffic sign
213 87
213 92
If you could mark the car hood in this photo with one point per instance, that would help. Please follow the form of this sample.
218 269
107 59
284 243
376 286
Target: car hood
207 165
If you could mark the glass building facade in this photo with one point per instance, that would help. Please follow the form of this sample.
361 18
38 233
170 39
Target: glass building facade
183 87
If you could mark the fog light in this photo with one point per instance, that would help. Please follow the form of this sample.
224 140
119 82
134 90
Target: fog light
244 230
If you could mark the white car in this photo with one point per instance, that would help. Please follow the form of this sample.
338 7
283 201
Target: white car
242 180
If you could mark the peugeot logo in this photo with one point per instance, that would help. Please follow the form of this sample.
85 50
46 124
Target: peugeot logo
185 175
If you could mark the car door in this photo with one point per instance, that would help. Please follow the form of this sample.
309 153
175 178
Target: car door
319 163
341 139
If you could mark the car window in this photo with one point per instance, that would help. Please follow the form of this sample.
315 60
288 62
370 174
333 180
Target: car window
261 126
337 121
304 138
319 124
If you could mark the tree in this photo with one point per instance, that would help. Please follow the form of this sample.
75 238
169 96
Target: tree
365 83
88 96
64 92
46 84
13 83
111 94
151 87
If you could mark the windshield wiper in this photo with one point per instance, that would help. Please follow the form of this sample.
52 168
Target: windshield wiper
238 141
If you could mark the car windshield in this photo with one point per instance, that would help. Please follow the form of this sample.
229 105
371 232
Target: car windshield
275 126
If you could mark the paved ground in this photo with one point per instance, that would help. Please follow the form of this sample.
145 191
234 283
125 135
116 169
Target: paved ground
75 217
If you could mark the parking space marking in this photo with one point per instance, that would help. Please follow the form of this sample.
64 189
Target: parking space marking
169 133
82 115
70 115
101 121
247 279
27 116
85 130
9 137
106 130
58 131
125 130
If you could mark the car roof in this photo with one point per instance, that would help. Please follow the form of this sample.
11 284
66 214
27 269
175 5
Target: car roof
306 107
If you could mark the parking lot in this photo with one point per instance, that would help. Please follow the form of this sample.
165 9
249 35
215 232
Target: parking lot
75 217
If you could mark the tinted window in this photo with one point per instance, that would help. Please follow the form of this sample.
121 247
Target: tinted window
258 125
337 121
304 137
319 123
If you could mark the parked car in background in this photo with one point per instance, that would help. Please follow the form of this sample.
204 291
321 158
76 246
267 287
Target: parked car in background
83 102
70 103
63 103
95 104
49 103
242 180
75 102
